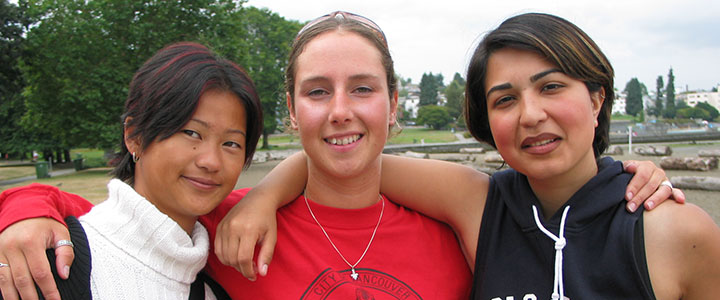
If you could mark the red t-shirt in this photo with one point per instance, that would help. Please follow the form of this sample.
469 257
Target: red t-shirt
411 256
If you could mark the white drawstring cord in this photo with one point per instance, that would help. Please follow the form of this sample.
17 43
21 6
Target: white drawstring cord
560 242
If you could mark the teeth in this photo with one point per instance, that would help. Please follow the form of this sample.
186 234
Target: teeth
345 140
540 143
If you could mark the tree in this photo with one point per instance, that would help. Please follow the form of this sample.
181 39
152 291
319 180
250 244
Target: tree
428 90
712 111
460 80
75 93
434 116
658 109
454 93
693 112
269 37
15 140
633 102
669 111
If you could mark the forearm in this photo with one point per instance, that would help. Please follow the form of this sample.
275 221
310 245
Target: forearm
283 183
38 200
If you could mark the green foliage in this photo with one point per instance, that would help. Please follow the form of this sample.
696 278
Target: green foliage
268 38
693 113
633 102
669 111
429 86
15 140
712 111
416 135
75 93
454 93
459 79
434 116
659 90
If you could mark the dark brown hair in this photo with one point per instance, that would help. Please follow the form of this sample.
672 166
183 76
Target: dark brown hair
166 90
561 43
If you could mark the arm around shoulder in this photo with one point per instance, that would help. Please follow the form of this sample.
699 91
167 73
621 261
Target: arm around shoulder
683 252
39 200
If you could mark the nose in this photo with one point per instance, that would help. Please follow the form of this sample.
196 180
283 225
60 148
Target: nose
340 109
208 157
532 111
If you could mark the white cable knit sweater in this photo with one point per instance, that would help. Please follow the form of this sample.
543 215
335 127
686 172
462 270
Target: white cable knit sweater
140 253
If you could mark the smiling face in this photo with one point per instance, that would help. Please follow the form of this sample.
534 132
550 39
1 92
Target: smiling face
341 105
542 120
191 172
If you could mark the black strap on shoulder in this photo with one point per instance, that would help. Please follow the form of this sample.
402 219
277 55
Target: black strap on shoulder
197 289
77 286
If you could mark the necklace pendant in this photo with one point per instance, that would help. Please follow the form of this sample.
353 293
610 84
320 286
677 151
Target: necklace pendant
353 274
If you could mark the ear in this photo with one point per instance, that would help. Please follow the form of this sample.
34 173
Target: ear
597 99
132 144
291 111
393 108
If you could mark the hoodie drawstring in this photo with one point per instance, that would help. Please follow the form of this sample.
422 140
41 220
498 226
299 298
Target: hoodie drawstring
560 242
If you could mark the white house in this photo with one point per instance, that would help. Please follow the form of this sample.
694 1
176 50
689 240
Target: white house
693 98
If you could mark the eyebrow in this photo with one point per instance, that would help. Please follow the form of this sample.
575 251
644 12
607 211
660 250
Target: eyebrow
533 78
205 124
352 77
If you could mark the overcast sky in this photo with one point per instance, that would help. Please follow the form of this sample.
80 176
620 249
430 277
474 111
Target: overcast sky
642 38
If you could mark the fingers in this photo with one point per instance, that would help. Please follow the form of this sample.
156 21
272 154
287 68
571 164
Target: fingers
21 277
267 250
244 257
7 287
678 195
64 258
645 182
235 246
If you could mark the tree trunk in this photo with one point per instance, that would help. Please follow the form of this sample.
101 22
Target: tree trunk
265 144
66 152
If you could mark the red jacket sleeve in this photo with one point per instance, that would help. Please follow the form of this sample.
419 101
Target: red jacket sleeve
39 200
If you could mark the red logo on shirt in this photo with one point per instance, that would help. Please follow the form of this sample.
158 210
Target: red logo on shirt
371 284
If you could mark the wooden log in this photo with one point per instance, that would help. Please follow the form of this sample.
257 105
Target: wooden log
688 163
696 182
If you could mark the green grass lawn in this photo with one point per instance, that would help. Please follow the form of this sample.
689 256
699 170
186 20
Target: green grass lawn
415 135
16 172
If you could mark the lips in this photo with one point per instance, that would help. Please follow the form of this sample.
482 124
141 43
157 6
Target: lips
539 141
202 183
343 140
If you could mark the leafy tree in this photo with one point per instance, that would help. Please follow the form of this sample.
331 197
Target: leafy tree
659 85
454 93
76 92
633 102
434 116
15 139
669 111
693 112
459 79
269 37
712 111
428 90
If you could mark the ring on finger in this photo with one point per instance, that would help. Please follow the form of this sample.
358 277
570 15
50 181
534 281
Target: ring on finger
3 265
61 243
667 183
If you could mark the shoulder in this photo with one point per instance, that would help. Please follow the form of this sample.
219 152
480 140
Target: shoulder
683 249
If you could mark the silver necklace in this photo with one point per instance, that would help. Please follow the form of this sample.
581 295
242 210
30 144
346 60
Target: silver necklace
352 267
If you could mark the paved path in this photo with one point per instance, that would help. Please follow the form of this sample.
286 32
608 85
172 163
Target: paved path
28 178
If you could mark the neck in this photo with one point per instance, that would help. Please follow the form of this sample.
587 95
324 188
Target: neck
351 192
555 191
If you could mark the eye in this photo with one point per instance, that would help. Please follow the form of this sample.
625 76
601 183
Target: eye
363 90
191 133
232 144
504 100
551 87
317 93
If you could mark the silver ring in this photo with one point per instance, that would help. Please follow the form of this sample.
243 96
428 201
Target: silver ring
61 243
2 265
667 183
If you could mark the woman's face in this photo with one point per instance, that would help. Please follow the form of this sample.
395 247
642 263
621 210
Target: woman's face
191 172
341 105
542 120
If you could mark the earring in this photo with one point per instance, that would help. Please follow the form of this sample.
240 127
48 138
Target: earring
135 158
